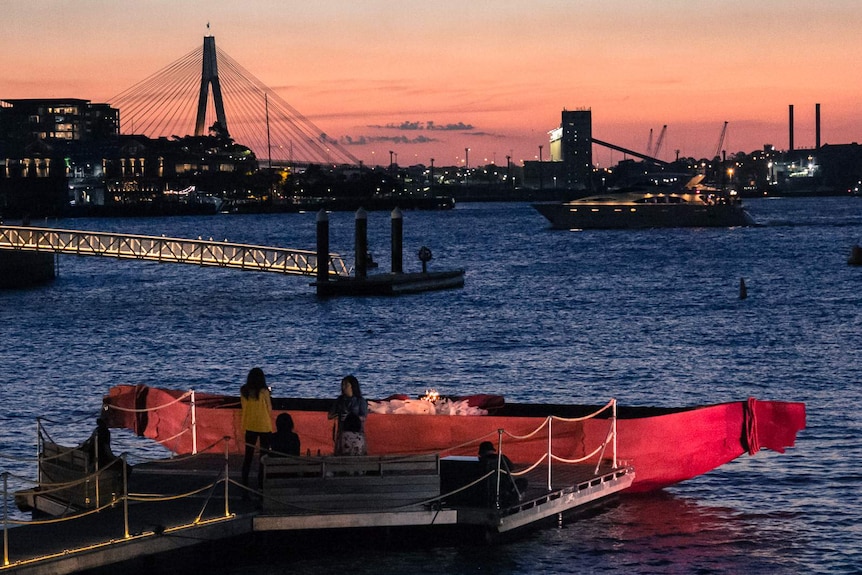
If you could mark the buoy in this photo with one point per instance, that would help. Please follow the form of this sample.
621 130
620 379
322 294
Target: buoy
855 258
743 291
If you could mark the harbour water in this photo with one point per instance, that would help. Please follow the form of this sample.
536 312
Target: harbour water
650 317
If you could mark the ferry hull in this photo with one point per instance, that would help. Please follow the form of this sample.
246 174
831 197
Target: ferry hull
665 446
579 216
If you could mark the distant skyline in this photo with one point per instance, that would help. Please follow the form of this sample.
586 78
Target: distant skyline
429 79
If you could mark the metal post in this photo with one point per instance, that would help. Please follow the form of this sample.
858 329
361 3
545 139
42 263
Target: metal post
397 241
615 432
38 449
194 425
550 454
125 497
226 475
5 518
499 462
322 246
98 473
361 243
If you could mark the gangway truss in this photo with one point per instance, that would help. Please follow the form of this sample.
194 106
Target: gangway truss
168 250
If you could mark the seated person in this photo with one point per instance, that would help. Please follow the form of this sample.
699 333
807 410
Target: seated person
284 441
512 488
352 439
98 447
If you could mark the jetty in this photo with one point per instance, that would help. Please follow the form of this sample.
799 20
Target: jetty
395 282
90 514
27 257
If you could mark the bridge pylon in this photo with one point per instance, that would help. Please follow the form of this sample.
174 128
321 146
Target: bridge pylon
209 77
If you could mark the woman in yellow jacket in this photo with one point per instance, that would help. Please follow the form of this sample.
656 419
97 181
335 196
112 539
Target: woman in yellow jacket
256 420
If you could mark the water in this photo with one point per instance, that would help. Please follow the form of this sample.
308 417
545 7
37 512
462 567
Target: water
650 317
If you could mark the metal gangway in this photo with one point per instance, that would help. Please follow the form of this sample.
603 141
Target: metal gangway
168 250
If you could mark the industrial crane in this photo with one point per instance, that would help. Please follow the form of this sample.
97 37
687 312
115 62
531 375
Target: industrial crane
720 141
659 142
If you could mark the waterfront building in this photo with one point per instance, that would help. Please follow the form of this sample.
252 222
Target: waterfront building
51 152
27 120
569 165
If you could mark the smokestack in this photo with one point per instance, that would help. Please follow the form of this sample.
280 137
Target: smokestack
817 126
791 127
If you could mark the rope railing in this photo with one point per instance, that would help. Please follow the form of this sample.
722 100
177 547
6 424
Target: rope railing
150 409
549 456
124 497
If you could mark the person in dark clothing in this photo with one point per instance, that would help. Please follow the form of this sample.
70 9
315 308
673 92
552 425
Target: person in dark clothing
98 445
350 401
512 488
285 441
98 448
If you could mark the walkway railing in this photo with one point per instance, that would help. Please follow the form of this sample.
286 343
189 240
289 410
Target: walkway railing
222 478
549 457
168 250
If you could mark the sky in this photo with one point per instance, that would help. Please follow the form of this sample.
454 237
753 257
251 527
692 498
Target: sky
496 74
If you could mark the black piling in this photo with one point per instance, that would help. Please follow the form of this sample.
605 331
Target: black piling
20 269
743 291
361 243
397 241
322 247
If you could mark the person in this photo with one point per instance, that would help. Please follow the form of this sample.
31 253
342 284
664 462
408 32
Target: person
350 401
285 441
256 404
98 445
351 441
512 488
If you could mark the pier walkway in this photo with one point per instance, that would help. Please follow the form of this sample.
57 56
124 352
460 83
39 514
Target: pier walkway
198 252
146 527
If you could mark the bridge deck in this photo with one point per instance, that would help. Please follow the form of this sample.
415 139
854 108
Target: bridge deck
168 250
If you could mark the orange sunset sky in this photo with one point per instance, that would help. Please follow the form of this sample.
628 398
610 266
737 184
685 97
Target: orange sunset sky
499 71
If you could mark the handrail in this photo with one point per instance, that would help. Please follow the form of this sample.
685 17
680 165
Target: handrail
610 437
125 497
199 252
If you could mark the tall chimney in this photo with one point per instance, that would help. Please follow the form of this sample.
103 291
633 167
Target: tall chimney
791 127
817 126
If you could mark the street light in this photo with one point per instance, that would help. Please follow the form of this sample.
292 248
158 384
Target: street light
466 166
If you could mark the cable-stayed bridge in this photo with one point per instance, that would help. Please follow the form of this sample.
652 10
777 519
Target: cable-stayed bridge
207 90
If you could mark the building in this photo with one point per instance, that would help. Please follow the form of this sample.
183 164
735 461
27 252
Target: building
572 144
57 119
51 152
570 165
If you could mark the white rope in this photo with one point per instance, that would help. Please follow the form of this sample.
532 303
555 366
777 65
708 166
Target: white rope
171 438
590 416
158 497
148 409
66 518
582 459
530 468
532 433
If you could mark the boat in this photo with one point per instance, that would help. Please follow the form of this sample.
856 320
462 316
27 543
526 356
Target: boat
664 445
690 206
